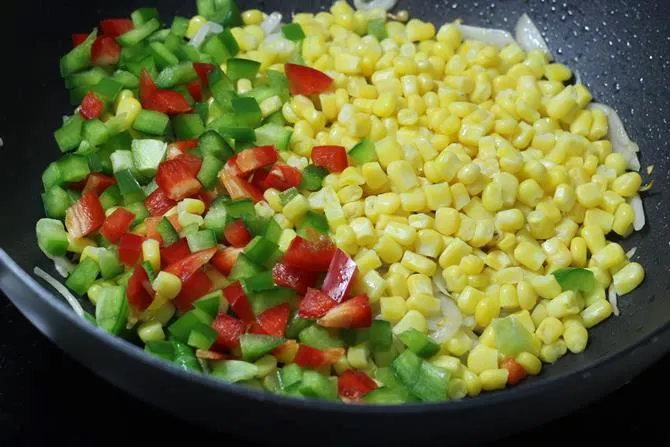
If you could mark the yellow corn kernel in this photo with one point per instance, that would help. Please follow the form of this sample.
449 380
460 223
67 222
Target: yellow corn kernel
127 111
418 283
186 219
151 253
402 175
594 237
550 330
531 364
353 209
472 264
597 312
459 344
371 284
526 295
167 285
454 278
494 379
509 220
578 252
411 320
150 331
418 263
563 104
385 105
487 309
530 192
557 72
296 208
357 356
194 206
413 201
599 126
454 253
285 239
421 221
397 284
459 195
589 195
194 25
575 335
374 175
611 255
468 299
271 196
266 365
388 150
599 218
270 105
345 239
393 308
447 221
508 297
367 260
482 358
388 249
627 185
628 278
450 363
616 162
529 255
546 286
400 232
509 275
426 303
551 353
564 305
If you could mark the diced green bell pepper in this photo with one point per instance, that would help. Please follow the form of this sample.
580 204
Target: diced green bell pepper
202 338
137 35
363 152
419 343
140 211
147 155
216 220
110 265
319 338
233 371
224 12
126 79
164 58
107 89
290 375
248 111
293 31
161 349
83 276
179 26
238 68
168 233
380 336
264 300
255 346
209 303
111 310
56 202
244 268
258 283
260 250
201 240
152 123
51 237
184 357
273 134
175 73
317 385
129 187
312 177
211 143
110 197
143 15
239 208
512 338
576 279
188 126
296 325
312 221
69 135
377 29
79 57
52 176
209 171
220 47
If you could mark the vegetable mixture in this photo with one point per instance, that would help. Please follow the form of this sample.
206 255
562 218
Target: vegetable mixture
351 205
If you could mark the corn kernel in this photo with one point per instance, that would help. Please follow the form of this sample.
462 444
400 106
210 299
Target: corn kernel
494 379
564 305
357 356
531 364
597 312
628 278
551 353
482 358
411 320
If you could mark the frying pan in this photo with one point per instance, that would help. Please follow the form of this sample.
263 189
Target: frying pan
620 48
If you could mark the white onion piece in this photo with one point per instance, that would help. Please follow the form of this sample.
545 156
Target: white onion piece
529 37
469 322
612 298
618 137
490 36
271 23
630 253
363 5
439 283
278 44
448 323
636 203
60 288
62 264
204 31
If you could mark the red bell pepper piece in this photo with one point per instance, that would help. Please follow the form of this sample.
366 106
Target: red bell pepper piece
238 188
231 167
116 27
78 39
167 101
195 89
187 266
150 225
274 320
314 256
225 259
138 289
238 301
158 203
340 277
259 178
193 288
174 253
85 216
98 183
355 313
177 179
309 357
230 329
333 158
117 224
305 80
91 106
515 372
174 220
282 177
147 85
293 278
353 385
236 233
191 162
105 51
203 70
315 304
181 147
256 157
130 248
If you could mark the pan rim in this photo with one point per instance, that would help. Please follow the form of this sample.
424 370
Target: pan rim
137 354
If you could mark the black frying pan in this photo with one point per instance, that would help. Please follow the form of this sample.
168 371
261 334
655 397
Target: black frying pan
620 49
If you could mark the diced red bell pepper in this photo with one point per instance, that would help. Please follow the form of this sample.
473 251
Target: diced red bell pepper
515 372
85 216
193 288
258 179
147 85
231 167
91 106
309 357
256 157
78 39
176 178
195 89
192 163
78 186
151 228
225 259
333 158
274 320
305 80
174 220
158 203
292 277
181 147
282 177
130 248
340 277
355 313
230 329
236 233
116 27
138 289
315 304
187 266
203 70
238 188
314 256
286 352
117 224
167 101
206 197
238 301
174 253
353 385
105 51
98 183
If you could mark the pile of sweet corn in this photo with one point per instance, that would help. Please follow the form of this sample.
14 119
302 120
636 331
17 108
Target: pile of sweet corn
491 172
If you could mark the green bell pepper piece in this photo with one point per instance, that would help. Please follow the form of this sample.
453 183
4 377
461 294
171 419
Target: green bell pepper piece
293 31
312 177
147 155
363 152
111 310
255 346
512 338
69 136
242 69
233 371
576 279
273 134
319 338
83 276
188 126
51 237
79 57
419 343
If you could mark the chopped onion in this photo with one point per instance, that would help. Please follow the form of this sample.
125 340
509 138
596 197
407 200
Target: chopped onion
363 5
529 37
62 264
491 36
612 298
271 23
204 31
630 253
440 284
469 322
60 288
445 326
636 203
618 137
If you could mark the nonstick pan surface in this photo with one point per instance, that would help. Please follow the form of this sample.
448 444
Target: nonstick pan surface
620 49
